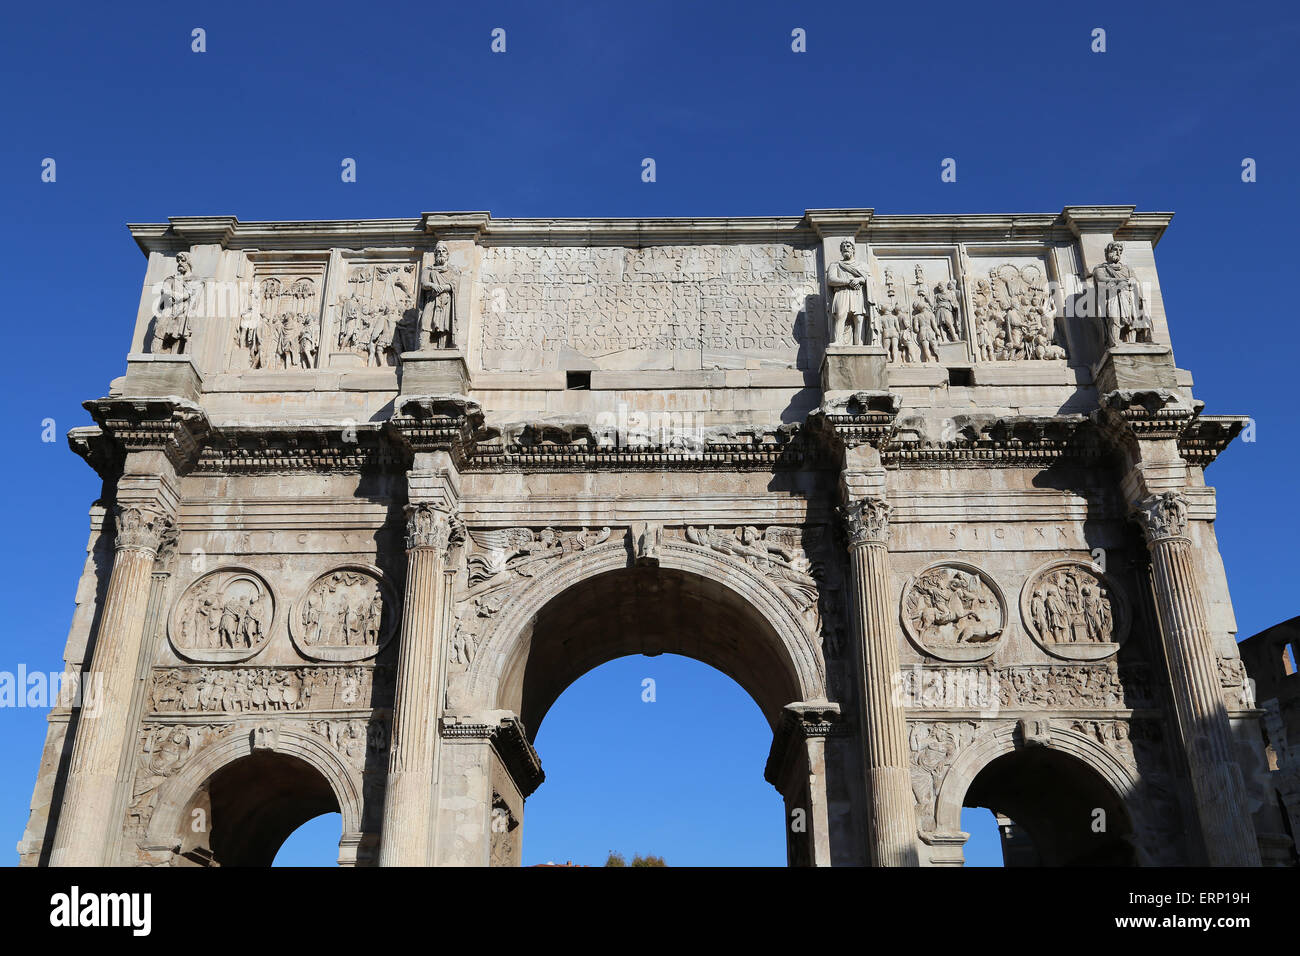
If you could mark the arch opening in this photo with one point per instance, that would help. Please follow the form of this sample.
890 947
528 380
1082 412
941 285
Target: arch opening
650 611
1052 810
252 805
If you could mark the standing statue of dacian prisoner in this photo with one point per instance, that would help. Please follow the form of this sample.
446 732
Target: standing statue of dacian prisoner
438 317
849 283
179 297
1120 304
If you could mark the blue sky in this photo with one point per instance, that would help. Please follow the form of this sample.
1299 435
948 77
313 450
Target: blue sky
142 128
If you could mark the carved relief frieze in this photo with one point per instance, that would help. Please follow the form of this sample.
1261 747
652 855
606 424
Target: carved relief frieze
376 307
347 614
954 611
1014 315
225 616
1074 611
990 689
232 691
281 326
918 315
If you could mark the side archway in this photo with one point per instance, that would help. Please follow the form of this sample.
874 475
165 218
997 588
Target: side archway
251 788
1052 789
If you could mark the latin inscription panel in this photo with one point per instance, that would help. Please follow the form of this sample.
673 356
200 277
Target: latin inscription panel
657 307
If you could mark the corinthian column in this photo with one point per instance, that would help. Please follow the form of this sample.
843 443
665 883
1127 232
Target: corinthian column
1217 782
86 825
884 730
407 838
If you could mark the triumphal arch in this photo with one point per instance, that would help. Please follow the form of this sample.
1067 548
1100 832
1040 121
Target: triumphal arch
930 488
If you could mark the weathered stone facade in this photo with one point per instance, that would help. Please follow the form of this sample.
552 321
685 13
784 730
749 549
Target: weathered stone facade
930 488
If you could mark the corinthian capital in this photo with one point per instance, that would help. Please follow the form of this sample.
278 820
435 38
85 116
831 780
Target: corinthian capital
140 527
867 520
1163 515
428 526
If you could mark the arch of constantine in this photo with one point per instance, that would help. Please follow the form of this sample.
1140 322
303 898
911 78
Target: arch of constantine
929 488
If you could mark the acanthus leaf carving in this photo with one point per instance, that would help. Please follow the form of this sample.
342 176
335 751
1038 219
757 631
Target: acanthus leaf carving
141 527
1162 515
867 520
427 526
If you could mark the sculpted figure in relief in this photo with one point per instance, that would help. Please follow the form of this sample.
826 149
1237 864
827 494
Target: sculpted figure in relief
178 300
438 317
1120 304
947 606
890 320
850 298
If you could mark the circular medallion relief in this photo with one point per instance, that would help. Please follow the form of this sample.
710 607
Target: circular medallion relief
224 616
347 614
954 611
1073 611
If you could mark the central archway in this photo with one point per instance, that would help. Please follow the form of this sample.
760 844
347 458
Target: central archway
651 611
601 604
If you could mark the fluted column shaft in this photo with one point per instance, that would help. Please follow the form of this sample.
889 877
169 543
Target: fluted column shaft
1217 782
407 838
86 827
884 728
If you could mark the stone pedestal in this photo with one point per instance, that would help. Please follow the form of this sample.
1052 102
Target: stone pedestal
1217 783
160 376
1134 367
435 372
852 368
891 804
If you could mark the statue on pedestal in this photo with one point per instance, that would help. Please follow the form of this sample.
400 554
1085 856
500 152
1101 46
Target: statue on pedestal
850 298
1120 304
438 283
178 300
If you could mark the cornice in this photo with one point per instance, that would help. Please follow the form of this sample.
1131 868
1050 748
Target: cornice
1206 436
182 232
797 723
428 423
1009 442
269 448
510 741
99 451
175 426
